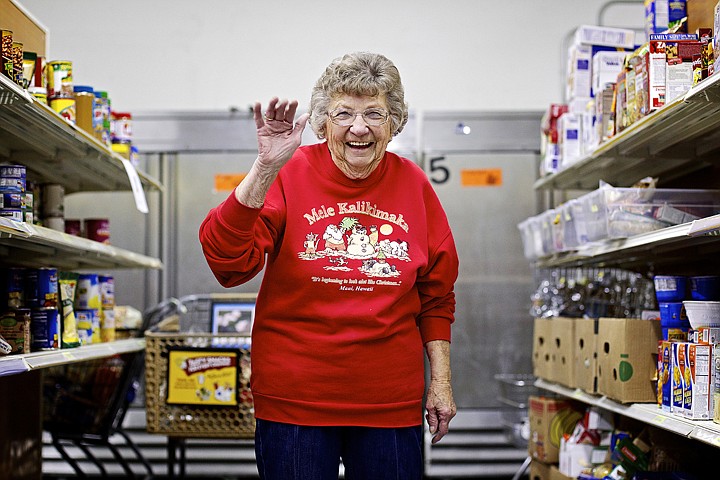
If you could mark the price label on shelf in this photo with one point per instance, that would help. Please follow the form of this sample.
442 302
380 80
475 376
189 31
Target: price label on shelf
138 192
68 356
659 419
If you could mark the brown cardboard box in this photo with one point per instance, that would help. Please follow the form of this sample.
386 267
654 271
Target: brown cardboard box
700 14
555 474
26 29
549 419
539 471
585 354
562 366
541 353
627 359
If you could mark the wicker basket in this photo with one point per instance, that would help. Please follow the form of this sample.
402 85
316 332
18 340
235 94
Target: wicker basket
195 421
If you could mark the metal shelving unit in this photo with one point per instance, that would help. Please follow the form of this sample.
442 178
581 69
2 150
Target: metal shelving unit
15 364
703 430
56 151
672 141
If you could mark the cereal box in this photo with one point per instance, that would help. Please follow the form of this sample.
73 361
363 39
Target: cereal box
665 375
677 374
697 394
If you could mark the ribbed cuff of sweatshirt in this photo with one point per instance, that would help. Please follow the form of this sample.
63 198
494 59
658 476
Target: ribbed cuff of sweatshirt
435 328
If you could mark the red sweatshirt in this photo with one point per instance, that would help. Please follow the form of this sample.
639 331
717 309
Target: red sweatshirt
359 275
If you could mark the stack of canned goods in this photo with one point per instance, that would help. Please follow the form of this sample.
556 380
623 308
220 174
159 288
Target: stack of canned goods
30 318
16 203
60 92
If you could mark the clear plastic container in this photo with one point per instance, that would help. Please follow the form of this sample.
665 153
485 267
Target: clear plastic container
610 212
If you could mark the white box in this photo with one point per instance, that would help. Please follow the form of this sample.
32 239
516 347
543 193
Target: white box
605 68
570 146
608 36
574 457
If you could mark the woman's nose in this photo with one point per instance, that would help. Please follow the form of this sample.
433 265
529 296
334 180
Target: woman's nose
359 124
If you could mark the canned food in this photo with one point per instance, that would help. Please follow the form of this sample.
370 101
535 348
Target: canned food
6 41
53 200
41 287
15 329
88 320
88 292
65 107
28 61
14 284
39 93
59 79
17 56
73 227
44 328
107 291
121 127
102 120
12 178
11 200
84 107
98 229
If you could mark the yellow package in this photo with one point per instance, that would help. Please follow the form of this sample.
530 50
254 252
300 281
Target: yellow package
67 282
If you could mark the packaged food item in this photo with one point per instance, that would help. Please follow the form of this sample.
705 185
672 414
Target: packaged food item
88 292
29 60
65 107
107 325
59 79
84 107
39 93
41 287
67 284
15 330
98 229
73 227
88 321
12 178
121 127
6 41
102 117
45 328
17 54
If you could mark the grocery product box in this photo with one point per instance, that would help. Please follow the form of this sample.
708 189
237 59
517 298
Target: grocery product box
580 68
605 68
605 114
610 212
542 333
585 354
25 28
716 383
607 36
661 15
705 335
661 48
569 140
549 419
627 359
678 352
695 367
562 365
573 457
665 372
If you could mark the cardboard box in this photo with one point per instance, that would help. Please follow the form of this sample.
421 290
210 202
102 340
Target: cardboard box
700 14
678 352
605 68
661 15
665 375
26 29
608 36
541 353
697 382
539 471
549 419
556 474
705 335
585 354
562 365
570 139
627 359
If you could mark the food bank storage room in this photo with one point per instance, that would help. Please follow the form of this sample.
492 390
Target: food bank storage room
312 240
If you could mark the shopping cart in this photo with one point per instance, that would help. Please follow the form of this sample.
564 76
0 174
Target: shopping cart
85 405
514 390
198 323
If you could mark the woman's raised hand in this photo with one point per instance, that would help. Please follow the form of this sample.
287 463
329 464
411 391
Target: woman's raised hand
278 134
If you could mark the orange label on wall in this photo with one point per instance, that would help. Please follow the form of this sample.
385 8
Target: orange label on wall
225 182
481 178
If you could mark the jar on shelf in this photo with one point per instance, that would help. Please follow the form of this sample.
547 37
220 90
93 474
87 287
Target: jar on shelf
84 107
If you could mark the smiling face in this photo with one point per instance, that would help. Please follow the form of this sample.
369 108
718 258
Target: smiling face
358 149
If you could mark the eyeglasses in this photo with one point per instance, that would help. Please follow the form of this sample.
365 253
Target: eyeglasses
372 116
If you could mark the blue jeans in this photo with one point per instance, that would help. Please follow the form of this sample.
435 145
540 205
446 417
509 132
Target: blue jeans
294 452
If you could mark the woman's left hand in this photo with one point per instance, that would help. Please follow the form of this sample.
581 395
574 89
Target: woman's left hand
440 407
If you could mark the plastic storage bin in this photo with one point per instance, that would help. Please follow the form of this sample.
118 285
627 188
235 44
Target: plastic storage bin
610 212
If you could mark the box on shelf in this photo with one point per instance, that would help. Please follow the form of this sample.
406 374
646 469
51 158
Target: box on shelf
661 15
569 140
665 375
26 29
580 68
542 334
627 359
610 212
562 366
608 36
549 419
692 380
585 354
700 14
573 457
605 68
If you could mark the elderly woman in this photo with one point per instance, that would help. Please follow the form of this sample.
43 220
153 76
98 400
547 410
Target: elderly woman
360 265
